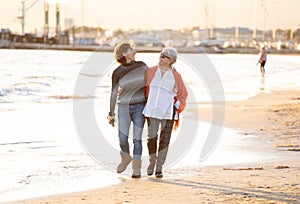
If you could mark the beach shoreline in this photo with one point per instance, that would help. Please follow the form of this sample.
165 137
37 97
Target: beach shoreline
271 116
147 49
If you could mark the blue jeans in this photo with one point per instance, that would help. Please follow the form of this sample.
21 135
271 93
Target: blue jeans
126 114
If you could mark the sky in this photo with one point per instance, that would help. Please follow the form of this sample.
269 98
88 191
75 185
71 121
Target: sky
155 14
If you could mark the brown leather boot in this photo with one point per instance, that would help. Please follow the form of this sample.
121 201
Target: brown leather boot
152 162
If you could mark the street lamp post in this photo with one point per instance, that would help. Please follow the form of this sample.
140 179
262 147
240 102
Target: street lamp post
46 26
23 17
57 21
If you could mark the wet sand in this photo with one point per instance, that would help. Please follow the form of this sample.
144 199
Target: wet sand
273 116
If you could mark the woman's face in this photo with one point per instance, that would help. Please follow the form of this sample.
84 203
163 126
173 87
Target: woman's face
130 55
164 60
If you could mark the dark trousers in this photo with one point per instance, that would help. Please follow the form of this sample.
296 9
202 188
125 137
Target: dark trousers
164 140
262 67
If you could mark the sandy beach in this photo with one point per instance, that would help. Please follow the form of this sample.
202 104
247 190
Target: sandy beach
273 116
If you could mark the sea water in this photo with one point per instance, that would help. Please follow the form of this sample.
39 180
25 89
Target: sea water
41 153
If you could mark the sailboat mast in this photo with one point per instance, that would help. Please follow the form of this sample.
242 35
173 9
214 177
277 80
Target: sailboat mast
237 4
254 20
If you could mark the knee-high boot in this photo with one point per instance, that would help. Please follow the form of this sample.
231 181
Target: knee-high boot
152 162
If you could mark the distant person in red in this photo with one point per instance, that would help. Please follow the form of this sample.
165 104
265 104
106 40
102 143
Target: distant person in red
262 60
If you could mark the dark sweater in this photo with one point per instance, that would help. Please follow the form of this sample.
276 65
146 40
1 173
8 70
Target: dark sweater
128 85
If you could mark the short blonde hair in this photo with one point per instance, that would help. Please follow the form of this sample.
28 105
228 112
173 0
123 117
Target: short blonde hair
119 50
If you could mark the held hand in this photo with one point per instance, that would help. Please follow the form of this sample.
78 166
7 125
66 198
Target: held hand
111 120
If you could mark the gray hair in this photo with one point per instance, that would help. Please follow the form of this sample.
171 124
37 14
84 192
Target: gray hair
171 52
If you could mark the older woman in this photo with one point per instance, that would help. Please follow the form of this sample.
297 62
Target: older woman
166 98
128 87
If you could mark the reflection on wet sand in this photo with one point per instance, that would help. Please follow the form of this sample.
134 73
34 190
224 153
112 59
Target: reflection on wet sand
262 83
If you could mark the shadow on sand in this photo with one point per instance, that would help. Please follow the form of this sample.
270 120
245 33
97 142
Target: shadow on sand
230 190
